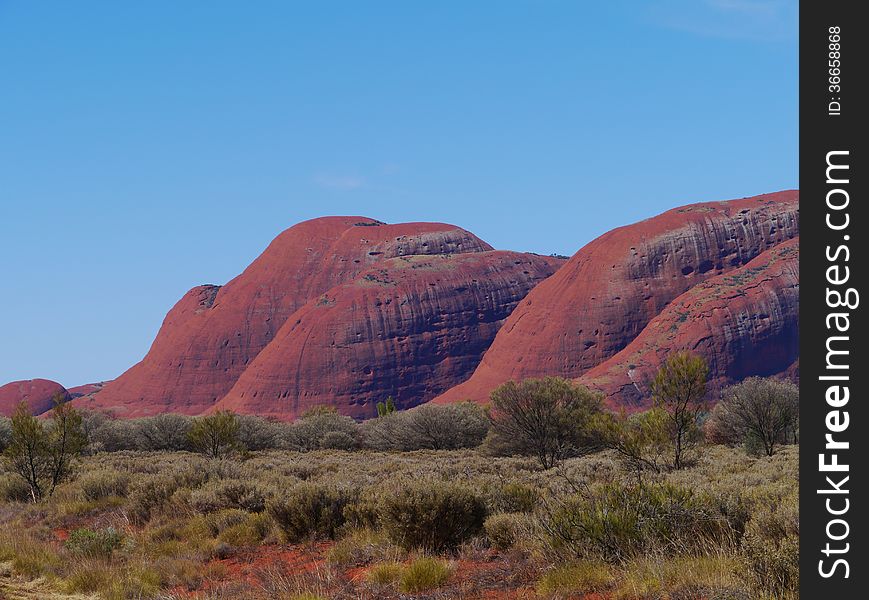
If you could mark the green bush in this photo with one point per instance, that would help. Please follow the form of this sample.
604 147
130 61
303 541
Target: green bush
517 497
618 522
310 511
14 489
228 494
424 574
97 485
432 515
150 496
99 543
579 578
386 573
771 546
505 529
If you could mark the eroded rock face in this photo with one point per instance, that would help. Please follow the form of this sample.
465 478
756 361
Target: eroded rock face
214 332
410 328
608 292
744 323
38 393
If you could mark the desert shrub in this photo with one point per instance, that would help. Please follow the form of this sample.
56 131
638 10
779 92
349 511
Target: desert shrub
758 413
364 511
149 496
338 440
770 546
548 418
387 573
713 576
505 529
516 497
617 522
424 574
14 489
96 485
428 427
251 531
223 494
5 432
215 435
309 511
361 547
387 432
222 520
578 578
96 543
257 433
28 555
110 435
320 427
167 431
132 581
431 515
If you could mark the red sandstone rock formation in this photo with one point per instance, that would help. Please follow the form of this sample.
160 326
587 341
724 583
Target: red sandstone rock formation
38 393
214 333
410 328
744 322
88 389
608 292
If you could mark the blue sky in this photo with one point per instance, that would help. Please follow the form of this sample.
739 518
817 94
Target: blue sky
147 147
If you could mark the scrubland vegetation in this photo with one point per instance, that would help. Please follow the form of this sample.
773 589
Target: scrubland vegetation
559 500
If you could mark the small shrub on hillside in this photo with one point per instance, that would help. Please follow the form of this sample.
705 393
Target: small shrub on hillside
424 574
97 485
88 542
431 515
309 511
219 495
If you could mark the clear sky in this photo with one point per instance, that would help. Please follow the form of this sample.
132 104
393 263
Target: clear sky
147 147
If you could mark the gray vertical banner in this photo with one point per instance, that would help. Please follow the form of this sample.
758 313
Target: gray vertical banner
834 433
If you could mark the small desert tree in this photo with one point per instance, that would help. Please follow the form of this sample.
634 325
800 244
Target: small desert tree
215 435
549 418
642 440
42 453
760 413
386 408
679 389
